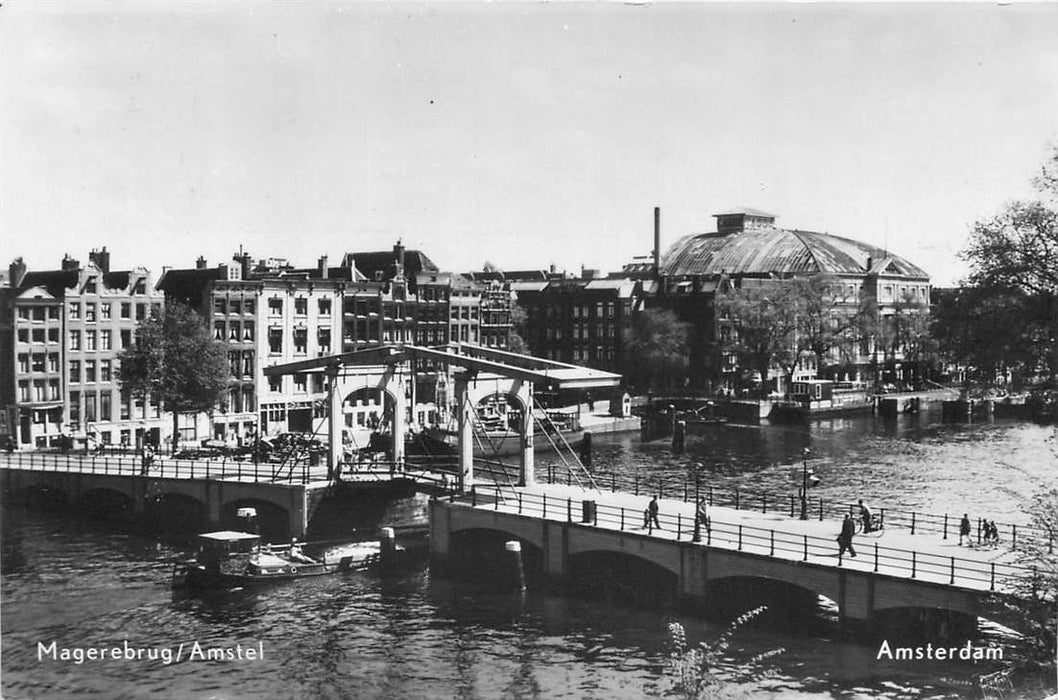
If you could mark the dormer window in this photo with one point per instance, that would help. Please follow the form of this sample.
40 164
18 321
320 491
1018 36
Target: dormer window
91 287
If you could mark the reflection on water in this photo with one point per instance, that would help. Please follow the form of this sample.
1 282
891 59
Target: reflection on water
360 635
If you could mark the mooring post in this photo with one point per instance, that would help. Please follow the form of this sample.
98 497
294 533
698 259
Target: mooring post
912 522
514 553
622 519
740 537
952 579
805 557
913 564
544 508
876 557
945 526
569 510
771 550
388 546
992 585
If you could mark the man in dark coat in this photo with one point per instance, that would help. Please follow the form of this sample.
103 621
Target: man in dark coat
848 529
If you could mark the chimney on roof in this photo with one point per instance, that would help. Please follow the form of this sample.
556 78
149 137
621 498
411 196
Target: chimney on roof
245 263
200 264
657 242
322 268
17 271
398 254
69 263
101 258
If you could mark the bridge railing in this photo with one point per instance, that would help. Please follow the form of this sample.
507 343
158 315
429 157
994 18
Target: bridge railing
789 503
775 542
162 467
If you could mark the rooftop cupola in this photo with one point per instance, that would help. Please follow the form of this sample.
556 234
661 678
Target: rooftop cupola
743 219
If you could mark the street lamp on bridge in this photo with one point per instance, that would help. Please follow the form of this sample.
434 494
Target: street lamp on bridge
804 483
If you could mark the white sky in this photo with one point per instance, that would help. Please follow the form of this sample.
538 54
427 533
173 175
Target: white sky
520 134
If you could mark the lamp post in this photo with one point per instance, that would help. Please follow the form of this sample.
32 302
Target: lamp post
804 483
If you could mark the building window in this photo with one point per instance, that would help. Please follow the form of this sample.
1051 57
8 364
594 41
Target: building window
75 340
23 363
275 307
301 306
91 286
105 370
247 363
301 341
233 331
275 340
90 312
104 340
90 370
126 338
75 311
75 371
218 330
38 335
104 406
104 311
123 409
323 338
90 407
23 335
140 287
126 310
300 383
75 407
23 390
233 363
53 335
141 312
89 340
220 306
235 307
53 362
275 384
325 307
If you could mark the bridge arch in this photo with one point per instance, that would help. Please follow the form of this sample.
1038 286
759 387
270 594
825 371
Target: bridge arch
104 503
175 512
272 520
479 554
617 576
788 603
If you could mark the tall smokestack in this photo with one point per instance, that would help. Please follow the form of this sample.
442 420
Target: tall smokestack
657 242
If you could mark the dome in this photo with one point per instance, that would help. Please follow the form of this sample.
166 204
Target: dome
771 250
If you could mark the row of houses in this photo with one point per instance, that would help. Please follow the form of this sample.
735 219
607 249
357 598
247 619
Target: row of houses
61 331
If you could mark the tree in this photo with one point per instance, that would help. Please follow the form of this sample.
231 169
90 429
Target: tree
175 360
765 318
828 319
519 325
1014 256
657 346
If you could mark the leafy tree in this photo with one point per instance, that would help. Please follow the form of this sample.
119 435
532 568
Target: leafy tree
175 360
657 347
766 320
1014 256
519 324
828 319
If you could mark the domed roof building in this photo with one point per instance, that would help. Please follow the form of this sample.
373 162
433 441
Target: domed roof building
748 249
747 243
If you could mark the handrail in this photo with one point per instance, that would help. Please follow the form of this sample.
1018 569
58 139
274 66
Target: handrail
916 564
789 502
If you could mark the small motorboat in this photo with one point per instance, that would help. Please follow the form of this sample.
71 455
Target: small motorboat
229 559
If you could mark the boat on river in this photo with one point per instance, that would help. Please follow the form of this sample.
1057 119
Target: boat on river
229 559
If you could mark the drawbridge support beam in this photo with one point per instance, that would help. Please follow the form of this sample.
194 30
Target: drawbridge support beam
471 390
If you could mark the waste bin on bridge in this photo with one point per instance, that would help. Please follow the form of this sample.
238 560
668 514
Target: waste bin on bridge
588 511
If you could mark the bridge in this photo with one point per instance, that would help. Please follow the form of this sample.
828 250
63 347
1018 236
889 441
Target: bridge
573 535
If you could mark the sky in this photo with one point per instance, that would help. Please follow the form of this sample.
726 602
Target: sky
519 134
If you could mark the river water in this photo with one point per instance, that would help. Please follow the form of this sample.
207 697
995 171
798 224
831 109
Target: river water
87 585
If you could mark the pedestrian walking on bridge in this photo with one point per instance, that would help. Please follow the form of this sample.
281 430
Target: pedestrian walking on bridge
652 512
964 530
701 519
848 529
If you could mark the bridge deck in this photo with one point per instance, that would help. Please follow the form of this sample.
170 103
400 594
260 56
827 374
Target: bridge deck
893 552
